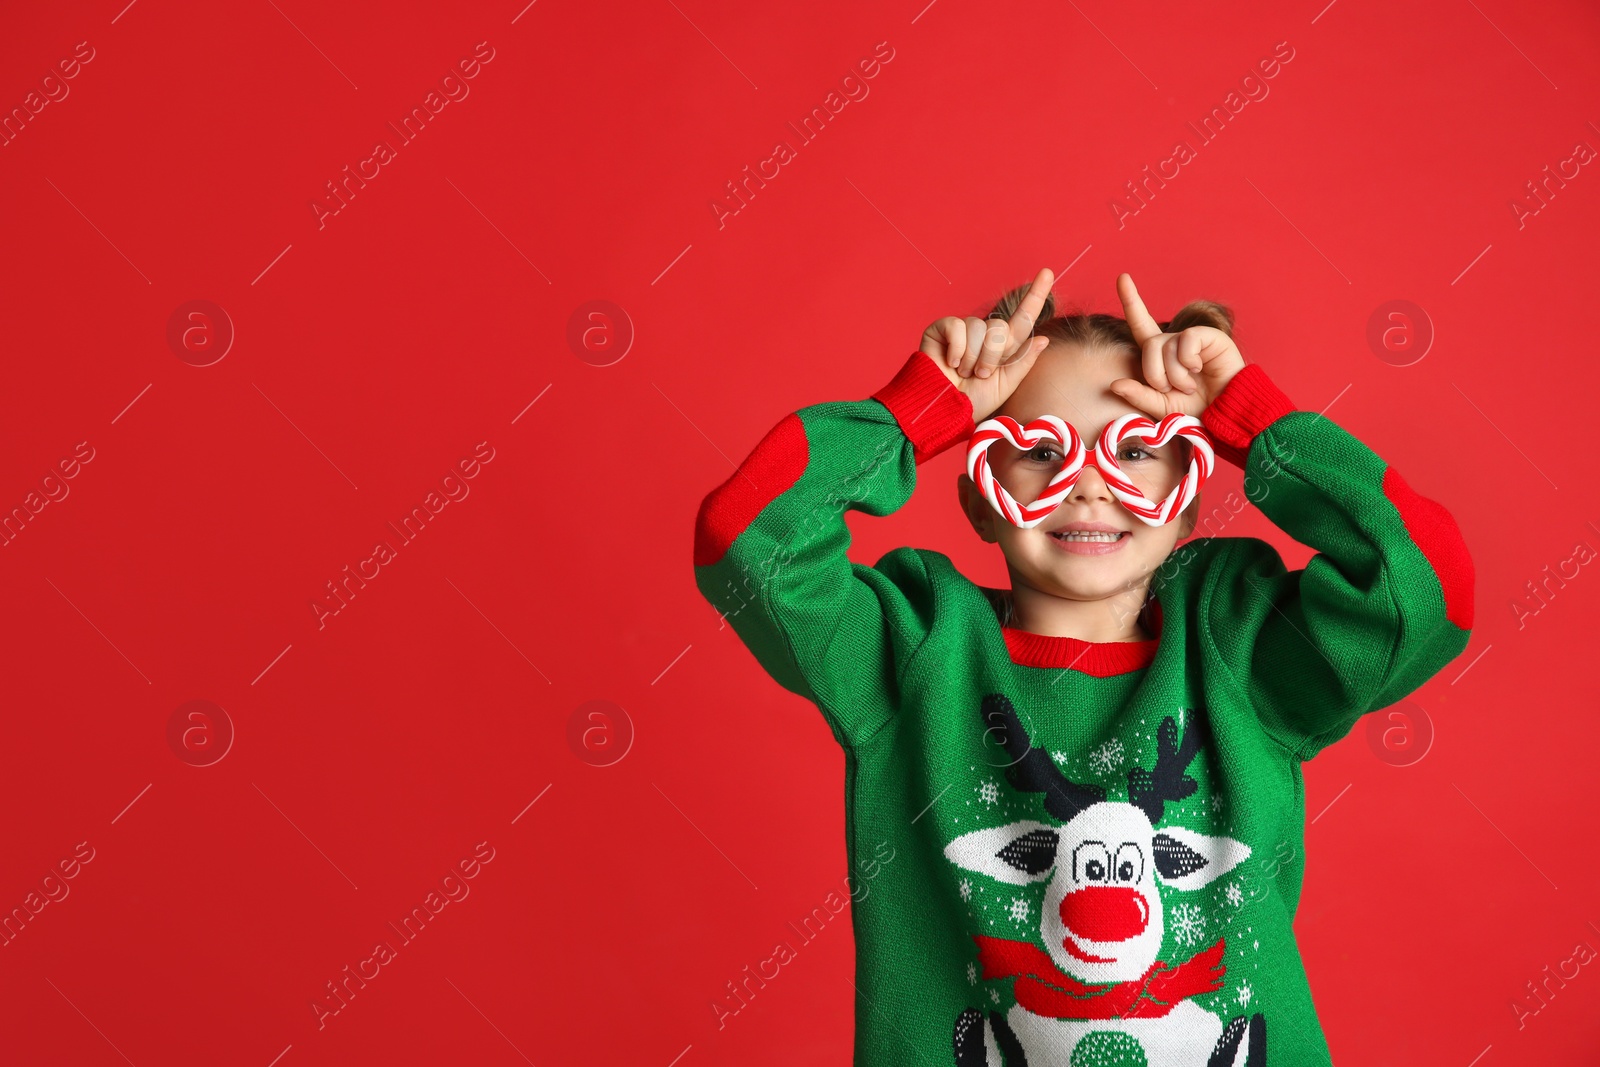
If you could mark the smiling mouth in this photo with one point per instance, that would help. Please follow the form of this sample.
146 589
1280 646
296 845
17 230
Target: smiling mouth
1066 943
1090 543
1092 536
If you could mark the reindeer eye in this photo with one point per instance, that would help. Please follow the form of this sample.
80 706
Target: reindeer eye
1091 862
1130 862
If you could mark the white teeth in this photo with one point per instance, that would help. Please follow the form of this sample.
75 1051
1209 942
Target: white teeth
1080 535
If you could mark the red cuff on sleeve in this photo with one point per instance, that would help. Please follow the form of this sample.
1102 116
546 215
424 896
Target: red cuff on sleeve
1249 403
933 413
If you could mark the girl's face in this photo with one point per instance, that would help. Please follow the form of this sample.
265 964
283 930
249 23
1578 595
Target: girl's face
1074 384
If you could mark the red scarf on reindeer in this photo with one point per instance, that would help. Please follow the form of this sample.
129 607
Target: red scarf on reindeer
1044 989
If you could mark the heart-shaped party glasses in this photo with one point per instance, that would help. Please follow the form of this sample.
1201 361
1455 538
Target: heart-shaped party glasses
1103 456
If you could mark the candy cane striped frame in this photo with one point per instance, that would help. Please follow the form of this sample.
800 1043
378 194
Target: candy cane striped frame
1103 456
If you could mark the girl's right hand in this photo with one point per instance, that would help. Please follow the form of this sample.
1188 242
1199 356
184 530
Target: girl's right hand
987 359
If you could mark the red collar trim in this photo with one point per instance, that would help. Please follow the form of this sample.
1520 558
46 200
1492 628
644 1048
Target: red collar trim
1101 659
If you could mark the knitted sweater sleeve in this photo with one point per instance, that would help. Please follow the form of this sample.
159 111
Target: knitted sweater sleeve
1384 604
770 545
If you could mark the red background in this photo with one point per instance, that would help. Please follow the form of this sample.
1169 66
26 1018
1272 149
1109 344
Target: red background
375 351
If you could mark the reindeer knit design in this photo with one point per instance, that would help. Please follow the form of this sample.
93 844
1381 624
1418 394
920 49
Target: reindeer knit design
1094 850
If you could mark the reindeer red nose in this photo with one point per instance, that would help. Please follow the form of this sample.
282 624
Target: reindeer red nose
1105 913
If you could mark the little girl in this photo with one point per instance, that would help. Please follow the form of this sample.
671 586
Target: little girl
1080 800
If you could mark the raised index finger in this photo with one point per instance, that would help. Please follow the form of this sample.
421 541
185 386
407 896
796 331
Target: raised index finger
1133 309
1027 312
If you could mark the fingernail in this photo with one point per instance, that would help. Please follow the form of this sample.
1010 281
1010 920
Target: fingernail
983 372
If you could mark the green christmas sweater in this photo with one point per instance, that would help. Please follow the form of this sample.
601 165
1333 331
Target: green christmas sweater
1082 853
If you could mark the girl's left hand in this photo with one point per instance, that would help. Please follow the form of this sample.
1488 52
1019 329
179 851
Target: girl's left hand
1186 371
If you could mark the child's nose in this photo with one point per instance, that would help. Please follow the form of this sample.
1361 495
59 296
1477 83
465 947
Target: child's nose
1091 484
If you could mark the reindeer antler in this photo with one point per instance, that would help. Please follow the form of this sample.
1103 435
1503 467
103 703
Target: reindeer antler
1031 768
1151 789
